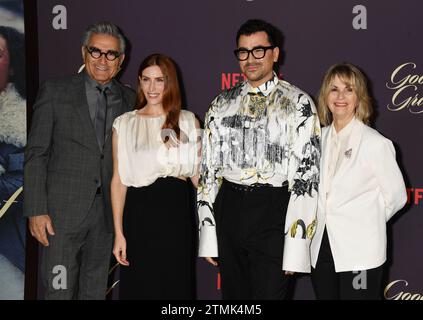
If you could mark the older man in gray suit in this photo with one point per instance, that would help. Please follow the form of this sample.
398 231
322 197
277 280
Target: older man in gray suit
68 168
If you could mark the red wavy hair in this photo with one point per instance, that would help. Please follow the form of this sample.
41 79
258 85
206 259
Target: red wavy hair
171 94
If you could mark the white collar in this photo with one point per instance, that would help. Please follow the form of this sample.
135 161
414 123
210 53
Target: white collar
344 132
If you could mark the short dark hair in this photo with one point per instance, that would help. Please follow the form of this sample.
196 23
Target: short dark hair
256 25
16 45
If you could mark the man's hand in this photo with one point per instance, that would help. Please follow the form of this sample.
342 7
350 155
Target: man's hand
289 273
38 226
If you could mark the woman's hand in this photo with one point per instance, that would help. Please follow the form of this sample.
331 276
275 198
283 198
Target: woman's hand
212 261
119 250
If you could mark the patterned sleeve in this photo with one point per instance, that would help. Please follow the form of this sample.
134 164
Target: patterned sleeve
303 178
208 188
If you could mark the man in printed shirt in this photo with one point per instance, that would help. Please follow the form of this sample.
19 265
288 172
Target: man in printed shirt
257 195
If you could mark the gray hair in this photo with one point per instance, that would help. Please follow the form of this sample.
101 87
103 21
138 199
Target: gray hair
104 28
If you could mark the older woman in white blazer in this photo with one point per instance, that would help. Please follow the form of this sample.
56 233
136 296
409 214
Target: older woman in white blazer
361 188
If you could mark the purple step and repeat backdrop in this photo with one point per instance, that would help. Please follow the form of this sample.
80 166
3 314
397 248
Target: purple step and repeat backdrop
381 37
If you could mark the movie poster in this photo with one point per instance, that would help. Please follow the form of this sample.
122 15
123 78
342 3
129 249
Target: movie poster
12 142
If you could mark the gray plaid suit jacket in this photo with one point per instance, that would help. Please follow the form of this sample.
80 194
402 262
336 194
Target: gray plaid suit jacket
63 162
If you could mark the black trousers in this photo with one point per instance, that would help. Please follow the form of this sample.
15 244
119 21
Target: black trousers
331 285
250 234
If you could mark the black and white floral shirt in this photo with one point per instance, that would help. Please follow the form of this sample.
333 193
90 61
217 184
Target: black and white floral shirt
270 135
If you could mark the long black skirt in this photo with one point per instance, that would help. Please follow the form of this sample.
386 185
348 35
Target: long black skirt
158 226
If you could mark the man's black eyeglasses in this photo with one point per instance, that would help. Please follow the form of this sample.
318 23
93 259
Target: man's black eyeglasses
242 54
97 53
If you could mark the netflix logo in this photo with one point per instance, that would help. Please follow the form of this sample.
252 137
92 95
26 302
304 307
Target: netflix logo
414 195
230 79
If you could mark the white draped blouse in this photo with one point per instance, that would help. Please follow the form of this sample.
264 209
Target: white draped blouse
143 156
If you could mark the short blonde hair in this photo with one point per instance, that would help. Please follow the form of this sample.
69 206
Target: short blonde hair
353 77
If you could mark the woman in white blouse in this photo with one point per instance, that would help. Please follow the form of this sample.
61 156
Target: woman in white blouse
155 151
361 188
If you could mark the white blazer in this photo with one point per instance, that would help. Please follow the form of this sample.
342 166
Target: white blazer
366 191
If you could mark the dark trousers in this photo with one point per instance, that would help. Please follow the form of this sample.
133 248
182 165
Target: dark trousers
331 285
76 263
250 233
